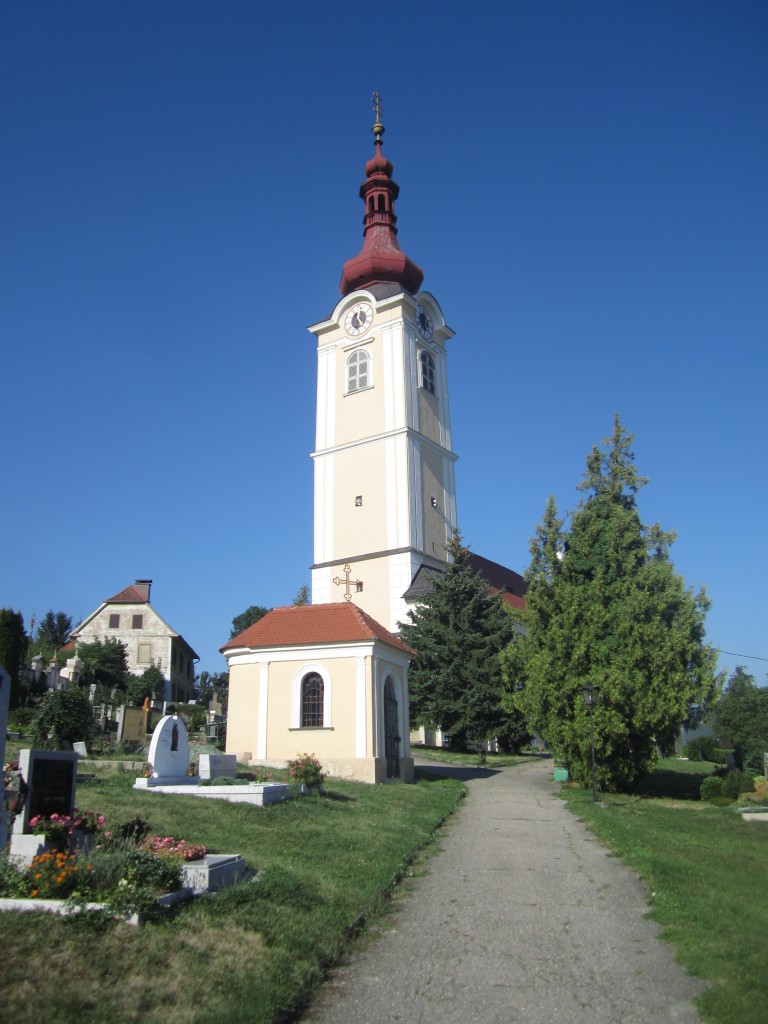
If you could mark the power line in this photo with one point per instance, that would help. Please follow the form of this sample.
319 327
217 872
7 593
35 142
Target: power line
751 657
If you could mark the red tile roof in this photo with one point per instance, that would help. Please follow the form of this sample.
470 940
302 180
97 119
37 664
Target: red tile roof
128 596
313 624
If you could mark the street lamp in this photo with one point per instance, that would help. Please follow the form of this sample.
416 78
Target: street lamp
591 695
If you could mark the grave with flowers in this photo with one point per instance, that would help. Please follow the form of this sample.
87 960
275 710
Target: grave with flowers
46 819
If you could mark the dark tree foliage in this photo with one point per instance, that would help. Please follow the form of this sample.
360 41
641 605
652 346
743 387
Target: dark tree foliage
210 686
52 633
740 720
64 717
13 648
458 632
247 618
105 662
138 688
605 606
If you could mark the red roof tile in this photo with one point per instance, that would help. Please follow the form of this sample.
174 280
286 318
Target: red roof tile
128 596
312 624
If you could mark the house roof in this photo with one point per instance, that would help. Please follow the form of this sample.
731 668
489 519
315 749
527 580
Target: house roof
509 583
128 596
131 595
499 577
314 624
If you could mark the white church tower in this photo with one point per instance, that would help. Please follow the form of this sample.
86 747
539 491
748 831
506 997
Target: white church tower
385 497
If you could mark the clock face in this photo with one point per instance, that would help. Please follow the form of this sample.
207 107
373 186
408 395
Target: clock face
358 319
423 322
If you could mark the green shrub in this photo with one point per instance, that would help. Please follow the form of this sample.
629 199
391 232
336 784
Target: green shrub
20 719
720 755
701 748
711 787
14 881
64 716
735 783
221 780
753 757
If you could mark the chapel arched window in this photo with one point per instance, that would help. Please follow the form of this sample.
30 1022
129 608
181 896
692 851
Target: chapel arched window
311 701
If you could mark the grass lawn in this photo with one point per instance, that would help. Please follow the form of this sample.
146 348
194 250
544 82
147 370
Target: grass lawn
250 953
707 871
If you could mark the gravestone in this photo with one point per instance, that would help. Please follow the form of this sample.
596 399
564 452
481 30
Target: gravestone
131 725
5 694
169 754
216 766
51 777
80 748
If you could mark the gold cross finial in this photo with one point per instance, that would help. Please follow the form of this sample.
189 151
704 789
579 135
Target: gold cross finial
378 106
347 582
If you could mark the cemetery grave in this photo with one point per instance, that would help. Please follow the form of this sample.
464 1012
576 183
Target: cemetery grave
51 841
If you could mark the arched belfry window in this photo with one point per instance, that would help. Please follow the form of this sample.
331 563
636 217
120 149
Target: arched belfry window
311 700
427 371
358 370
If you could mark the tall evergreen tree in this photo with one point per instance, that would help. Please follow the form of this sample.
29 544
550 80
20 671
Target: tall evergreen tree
13 648
52 634
740 719
604 606
458 632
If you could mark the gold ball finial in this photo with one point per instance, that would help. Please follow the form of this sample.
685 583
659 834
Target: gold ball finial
378 106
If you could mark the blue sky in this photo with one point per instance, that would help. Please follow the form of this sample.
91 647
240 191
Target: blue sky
582 183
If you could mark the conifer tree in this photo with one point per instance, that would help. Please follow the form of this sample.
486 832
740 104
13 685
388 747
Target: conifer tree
604 606
13 648
458 633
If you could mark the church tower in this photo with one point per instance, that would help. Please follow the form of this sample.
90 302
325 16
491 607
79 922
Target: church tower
385 498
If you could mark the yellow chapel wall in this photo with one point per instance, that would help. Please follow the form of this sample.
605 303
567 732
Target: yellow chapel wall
246 703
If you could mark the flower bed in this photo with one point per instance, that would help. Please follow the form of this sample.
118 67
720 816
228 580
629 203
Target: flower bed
126 871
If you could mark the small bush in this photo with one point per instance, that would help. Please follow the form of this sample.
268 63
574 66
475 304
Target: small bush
20 719
701 748
711 787
127 836
735 783
221 780
305 769
14 881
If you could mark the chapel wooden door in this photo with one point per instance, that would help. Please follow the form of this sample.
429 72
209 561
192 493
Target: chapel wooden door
391 731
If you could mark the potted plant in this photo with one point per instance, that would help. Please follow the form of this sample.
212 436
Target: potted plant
307 771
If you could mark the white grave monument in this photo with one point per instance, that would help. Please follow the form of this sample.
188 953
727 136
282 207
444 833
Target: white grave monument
169 754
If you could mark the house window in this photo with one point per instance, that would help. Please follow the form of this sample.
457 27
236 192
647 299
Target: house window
114 622
137 622
427 372
311 701
145 654
358 370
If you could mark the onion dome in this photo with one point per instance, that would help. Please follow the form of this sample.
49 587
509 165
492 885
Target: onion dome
380 261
